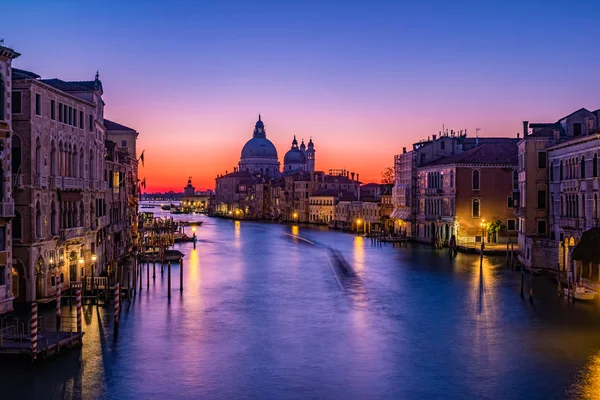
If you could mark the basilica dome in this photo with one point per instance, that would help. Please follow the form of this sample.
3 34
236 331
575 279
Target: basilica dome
259 147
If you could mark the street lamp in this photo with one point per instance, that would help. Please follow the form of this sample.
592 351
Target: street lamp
358 222
483 232
295 217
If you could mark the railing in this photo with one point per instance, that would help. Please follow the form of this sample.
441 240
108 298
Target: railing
574 223
70 233
41 181
73 183
7 209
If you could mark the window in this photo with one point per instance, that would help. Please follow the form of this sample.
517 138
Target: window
582 165
16 226
577 129
123 143
552 172
2 275
475 208
476 180
561 170
53 110
515 180
2 97
80 119
3 238
38 104
541 199
16 103
541 227
443 145
451 179
74 117
511 225
60 112
541 159
91 123
595 166
509 202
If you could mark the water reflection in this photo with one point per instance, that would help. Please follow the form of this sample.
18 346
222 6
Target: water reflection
262 316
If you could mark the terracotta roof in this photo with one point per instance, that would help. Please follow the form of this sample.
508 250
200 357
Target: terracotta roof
113 126
368 185
501 153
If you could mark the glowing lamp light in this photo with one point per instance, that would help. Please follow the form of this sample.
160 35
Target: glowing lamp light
94 257
193 229
358 221
81 260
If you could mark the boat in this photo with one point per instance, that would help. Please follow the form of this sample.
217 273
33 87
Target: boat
581 293
190 223
166 208
182 238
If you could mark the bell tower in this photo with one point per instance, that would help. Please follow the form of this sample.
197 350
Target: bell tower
310 156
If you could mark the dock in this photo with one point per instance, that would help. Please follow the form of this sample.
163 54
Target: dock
15 337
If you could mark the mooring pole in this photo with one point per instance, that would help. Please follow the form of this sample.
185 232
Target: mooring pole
169 279
181 274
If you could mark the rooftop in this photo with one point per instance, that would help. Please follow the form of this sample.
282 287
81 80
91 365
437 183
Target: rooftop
114 126
497 153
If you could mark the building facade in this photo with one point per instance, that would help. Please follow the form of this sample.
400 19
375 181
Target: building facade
10 285
457 194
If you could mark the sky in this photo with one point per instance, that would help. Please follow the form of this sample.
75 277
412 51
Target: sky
363 79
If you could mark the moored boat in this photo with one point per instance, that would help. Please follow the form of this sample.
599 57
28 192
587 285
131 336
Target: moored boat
581 293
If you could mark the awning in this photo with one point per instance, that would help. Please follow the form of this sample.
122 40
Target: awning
401 213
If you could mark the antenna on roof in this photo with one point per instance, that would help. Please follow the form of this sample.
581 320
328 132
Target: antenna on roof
477 132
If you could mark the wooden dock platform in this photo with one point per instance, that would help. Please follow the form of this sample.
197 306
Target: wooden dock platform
15 338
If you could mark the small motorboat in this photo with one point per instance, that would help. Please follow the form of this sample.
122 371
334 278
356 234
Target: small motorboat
581 293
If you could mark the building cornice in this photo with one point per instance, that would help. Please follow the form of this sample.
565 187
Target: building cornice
436 167
52 89
9 53
571 142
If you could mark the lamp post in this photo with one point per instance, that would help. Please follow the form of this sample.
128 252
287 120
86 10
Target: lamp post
194 236
295 217
358 222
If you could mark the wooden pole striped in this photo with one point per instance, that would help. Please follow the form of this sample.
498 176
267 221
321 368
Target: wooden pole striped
117 305
58 297
78 306
34 330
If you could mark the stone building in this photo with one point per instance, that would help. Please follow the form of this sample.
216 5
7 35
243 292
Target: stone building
456 194
10 285
57 165
120 197
259 155
322 206
574 184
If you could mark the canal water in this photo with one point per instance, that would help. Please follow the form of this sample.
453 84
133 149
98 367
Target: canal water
264 314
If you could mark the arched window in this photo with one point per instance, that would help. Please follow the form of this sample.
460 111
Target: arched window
81 164
561 170
38 220
38 156
53 159
475 208
595 166
562 209
2 98
81 214
53 230
582 205
91 175
476 185
17 230
16 154
552 172
582 165
443 145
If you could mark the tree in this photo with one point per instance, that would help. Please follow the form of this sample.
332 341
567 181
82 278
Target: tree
387 175
495 228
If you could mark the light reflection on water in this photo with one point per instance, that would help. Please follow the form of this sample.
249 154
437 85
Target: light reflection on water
262 316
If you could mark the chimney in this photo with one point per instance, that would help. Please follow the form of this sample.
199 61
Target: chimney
434 150
518 135
358 180
352 173
525 128
404 150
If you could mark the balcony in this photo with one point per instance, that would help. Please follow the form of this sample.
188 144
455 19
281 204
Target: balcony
70 183
7 209
40 181
567 223
72 233
55 182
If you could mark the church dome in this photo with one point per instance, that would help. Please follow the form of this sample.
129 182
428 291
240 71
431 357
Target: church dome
294 156
259 147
